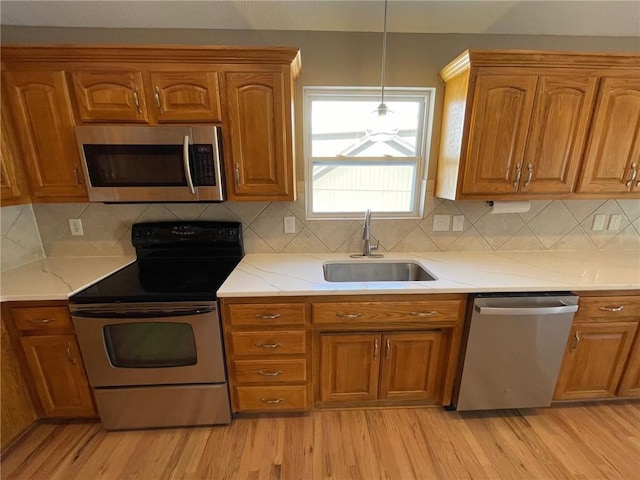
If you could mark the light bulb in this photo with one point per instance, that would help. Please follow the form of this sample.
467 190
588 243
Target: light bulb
382 124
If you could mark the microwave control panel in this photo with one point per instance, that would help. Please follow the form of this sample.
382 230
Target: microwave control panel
202 156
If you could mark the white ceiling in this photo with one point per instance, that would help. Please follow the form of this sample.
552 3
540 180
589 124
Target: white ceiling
539 17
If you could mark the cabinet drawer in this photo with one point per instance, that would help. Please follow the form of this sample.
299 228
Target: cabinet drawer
270 371
41 318
439 313
268 343
261 314
604 309
272 398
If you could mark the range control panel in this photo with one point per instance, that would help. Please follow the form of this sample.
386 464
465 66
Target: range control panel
171 233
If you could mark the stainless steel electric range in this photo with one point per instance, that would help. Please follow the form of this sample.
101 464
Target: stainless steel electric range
150 333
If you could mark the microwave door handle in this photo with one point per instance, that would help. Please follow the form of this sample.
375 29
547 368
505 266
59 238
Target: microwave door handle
187 168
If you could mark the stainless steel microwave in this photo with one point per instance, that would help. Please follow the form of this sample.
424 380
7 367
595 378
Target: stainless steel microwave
151 164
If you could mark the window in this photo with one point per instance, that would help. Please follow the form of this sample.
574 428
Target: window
349 170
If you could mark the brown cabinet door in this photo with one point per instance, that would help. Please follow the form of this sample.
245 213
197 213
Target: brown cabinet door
184 96
109 96
13 188
56 368
613 152
259 123
44 125
558 134
594 360
630 383
349 367
501 114
412 366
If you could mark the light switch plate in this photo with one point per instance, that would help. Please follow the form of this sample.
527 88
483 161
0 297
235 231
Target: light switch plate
75 224
614 222
441 223
289 224
598 222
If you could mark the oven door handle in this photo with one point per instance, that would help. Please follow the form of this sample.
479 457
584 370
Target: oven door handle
140 313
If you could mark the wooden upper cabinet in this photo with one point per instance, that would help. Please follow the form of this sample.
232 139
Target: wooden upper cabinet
612 161
533 124
42 113
13 187
500 119
259 133
558 133
184 96
105 96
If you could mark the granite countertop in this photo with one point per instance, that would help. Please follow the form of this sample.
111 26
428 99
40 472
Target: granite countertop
456 272
56 278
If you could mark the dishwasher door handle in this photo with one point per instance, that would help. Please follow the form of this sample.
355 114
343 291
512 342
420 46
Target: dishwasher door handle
526 310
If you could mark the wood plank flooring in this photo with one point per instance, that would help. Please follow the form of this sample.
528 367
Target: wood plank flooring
579 441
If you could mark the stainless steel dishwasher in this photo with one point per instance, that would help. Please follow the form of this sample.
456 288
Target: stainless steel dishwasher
514 347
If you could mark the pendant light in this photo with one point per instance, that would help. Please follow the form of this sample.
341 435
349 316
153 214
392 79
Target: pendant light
382 122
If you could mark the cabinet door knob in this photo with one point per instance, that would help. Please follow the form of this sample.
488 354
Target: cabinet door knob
158 102
237 174
516 182
634 174
69 356
388 353
136 100
529 175
576 340
376 349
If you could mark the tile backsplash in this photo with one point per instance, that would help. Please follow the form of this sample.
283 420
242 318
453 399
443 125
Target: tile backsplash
549 225
19 238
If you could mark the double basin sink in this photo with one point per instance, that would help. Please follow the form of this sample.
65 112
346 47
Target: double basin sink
376 271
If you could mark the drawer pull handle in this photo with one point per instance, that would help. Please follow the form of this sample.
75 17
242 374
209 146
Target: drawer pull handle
69 357
268 345
348 315
424 314
270 373
619 308
41 320
267 316
272 400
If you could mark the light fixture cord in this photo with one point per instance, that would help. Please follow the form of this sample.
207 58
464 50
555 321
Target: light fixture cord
384 53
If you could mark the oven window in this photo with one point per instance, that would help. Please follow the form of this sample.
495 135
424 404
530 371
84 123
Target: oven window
150 344
135 165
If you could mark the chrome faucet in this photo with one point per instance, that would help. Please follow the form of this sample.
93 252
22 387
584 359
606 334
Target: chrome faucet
367 248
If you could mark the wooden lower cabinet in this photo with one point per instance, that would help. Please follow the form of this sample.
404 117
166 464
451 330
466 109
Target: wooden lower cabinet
601 359
45 341
58 375
382 366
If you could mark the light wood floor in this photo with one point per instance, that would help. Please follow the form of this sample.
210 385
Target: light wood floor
587 441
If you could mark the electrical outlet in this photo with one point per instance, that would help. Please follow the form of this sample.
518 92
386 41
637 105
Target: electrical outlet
441 223
598 222
614 222
75 224
289 224
458 223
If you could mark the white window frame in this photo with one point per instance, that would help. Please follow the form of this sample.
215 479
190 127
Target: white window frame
421 160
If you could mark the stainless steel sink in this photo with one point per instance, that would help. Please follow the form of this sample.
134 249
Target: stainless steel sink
366 271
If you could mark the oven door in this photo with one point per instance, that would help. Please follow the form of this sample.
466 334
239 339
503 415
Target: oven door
150 344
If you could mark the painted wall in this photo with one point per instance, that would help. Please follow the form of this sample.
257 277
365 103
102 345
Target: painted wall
339 58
